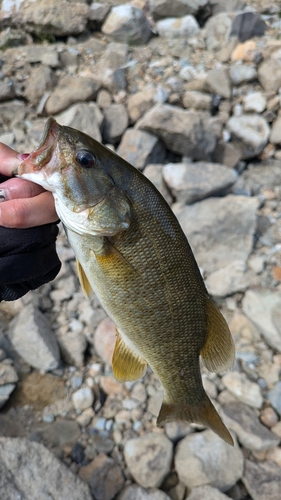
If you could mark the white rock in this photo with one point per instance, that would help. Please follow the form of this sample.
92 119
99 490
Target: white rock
83 398
254 102
252 131
172 27
127 23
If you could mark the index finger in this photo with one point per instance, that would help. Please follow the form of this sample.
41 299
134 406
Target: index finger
9 160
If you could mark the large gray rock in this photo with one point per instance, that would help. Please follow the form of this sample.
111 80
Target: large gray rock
173 27
140 148
85 116
127 23
217 31
246 425
69 90
262 480
28 471
176 8
219 82
41 79
220 230
228 280
191 182
154 173
250 134
201 459
189 133
149 458
115 122
242 73
48 17
140 102
33 338
104 477
263 308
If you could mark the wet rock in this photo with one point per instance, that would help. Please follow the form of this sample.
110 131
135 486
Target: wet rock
172 27
250 134
34 339
115 123
207 493
134 492
219 82
269 74
149 459
274 396
204 453
262 480
177 8
67 90
10 427
30 471
140 148
41 80
154 174
242 73
191 182
127 23
83 398
246 425
220 230
104 477
247 392
183 132
263 308
50 17
58 434
86 117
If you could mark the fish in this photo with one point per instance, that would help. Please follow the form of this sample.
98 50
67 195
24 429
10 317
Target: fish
132 253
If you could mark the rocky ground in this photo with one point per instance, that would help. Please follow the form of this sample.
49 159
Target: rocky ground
194 102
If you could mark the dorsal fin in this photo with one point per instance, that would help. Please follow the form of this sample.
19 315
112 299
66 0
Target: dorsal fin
218 352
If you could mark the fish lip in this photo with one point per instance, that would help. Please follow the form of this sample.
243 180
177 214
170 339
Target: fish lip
49 133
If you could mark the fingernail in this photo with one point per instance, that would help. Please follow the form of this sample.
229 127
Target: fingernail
23 156
4 195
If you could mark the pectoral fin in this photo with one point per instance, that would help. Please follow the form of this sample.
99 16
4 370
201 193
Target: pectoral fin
218 352
126 364
84 282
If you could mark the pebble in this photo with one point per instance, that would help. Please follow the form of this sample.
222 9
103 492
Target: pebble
171 27
83 398
104 339
149 459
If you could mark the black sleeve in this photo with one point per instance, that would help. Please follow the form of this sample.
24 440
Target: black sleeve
28 259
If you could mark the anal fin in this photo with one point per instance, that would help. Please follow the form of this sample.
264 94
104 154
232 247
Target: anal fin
84 282
126 364
218 352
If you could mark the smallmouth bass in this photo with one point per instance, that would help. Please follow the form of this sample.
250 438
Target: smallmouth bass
132 252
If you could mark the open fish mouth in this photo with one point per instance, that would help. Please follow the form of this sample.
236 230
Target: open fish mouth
50 133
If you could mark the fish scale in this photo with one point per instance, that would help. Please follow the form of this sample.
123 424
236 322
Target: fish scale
133 254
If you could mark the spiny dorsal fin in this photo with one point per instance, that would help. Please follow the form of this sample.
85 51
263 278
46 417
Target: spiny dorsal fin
84 282
218 352
126 364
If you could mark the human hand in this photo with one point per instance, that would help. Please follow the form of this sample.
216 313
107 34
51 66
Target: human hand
23 204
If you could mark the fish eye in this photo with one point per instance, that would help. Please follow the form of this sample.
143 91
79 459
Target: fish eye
85 158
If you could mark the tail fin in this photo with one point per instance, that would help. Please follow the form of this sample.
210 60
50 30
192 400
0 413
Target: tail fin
206 415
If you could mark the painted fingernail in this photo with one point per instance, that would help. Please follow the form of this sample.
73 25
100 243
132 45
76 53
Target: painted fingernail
4 195
23 156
